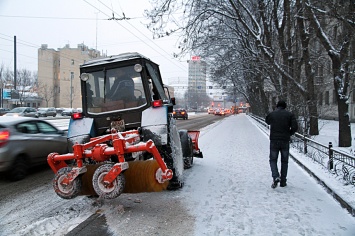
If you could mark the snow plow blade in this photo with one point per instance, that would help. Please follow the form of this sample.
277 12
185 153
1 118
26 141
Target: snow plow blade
194 134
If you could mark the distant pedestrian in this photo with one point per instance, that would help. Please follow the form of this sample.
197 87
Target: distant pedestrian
283 124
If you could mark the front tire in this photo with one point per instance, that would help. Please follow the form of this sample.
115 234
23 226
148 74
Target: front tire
113 190
66 192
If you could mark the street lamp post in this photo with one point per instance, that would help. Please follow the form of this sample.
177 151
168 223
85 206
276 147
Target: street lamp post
71 90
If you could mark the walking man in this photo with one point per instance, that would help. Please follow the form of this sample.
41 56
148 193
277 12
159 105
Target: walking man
283 124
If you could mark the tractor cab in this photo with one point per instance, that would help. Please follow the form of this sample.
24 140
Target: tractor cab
119 88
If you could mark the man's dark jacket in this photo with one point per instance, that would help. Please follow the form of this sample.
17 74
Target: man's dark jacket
282 123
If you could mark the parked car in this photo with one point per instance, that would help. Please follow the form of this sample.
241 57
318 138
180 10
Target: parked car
47 111
23 111
180 113
3 111
67 112
219 112
26 142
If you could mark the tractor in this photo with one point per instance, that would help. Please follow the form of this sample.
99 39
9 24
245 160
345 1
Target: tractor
125 139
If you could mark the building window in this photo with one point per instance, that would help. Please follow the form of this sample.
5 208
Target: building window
326 98
72 61
320 99
71 75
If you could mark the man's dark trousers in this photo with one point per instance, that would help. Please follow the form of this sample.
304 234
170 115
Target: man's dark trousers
276 147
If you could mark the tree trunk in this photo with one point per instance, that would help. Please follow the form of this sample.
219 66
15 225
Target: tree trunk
313 121
344 124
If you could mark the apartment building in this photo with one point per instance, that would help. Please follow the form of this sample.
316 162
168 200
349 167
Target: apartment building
58 74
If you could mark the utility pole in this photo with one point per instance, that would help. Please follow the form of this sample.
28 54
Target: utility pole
15 62
71 90
96 31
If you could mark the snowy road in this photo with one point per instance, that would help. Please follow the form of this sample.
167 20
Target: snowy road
226 193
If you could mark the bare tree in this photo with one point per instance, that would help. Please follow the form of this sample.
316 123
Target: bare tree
337 47
25 81
7 77
2 71
46 92
253 42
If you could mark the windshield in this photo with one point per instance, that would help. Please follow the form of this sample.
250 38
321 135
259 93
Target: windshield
114 89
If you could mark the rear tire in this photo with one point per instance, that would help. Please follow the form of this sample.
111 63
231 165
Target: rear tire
186 146
173 157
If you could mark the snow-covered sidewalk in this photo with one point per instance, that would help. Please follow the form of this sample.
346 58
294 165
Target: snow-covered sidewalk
229 191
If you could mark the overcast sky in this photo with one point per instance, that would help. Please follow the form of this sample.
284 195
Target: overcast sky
57 23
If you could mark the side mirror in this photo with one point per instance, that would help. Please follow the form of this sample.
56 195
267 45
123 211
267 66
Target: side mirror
173 101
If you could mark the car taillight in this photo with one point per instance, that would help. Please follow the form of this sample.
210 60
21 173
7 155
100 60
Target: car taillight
157 103
77 116
4 137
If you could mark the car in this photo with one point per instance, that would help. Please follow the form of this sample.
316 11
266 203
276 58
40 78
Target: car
210 111
180 113
26 142
219 112
68 111
3 111
47 111
23 111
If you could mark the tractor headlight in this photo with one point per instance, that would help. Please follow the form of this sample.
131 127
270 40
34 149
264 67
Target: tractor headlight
138 68
84 76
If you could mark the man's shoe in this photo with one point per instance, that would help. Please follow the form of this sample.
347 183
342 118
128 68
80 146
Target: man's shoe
275 183
283 184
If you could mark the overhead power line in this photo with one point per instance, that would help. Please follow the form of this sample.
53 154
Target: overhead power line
51 17
159 52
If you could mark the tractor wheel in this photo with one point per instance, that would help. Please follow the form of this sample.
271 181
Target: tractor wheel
173 157
66 192
108 192
186 146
